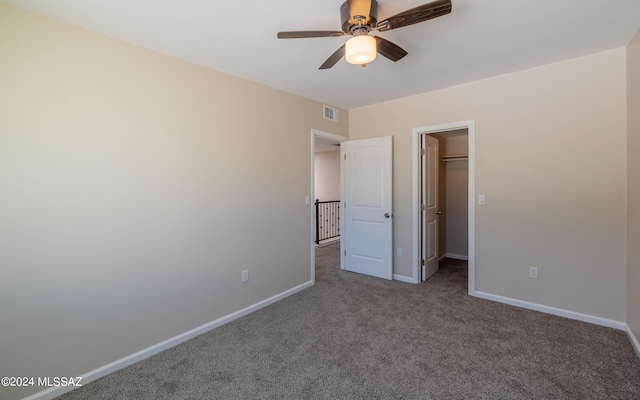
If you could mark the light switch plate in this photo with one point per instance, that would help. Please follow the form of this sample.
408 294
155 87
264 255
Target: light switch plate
481 199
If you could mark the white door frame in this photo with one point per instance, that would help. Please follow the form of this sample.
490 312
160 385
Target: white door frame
325 135
470 126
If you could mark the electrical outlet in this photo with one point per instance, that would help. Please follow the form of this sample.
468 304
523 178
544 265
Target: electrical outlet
533 272
245 276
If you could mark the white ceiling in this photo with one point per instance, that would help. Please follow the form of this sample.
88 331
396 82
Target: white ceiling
479 39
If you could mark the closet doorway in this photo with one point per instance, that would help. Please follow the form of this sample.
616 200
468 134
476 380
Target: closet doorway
444 217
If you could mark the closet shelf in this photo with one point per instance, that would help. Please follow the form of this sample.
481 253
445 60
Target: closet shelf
455 157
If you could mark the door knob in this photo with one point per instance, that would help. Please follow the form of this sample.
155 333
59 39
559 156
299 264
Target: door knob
387 215
438 212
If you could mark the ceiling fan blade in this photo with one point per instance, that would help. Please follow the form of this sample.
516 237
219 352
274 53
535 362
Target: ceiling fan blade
390 50
415 15
333 59
359 8
308 34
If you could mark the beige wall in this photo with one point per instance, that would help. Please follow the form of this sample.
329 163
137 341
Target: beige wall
550 147
633 189
327 175
135 187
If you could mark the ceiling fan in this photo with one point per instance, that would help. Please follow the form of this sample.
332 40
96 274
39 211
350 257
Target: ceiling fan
359 18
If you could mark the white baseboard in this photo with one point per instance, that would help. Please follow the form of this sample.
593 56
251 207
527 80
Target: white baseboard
105 370
402 278
328 242
457 256
634 340
552 310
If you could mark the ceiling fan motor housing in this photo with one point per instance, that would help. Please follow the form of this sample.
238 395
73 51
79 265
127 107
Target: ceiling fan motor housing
351 24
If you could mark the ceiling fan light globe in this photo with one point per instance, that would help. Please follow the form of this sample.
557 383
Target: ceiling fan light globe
360 49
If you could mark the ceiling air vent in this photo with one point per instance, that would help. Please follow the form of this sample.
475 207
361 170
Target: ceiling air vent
330 113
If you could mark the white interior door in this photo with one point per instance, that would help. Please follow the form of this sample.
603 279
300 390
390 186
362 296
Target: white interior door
429 199
367 231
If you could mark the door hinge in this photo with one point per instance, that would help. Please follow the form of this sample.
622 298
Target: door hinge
423 152
345 253
345 156
422 262
423 207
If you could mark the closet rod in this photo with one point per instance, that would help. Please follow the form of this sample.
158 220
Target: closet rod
457 157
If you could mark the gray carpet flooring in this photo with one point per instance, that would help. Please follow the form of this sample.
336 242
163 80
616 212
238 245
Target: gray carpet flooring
356 337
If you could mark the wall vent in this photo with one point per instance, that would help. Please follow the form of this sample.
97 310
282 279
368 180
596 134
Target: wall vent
330 113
